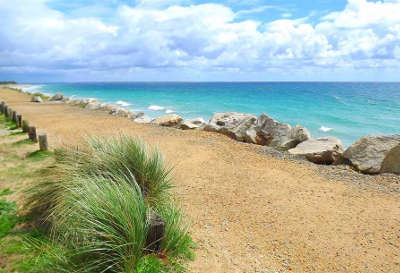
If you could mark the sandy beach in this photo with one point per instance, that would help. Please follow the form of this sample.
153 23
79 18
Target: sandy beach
251 212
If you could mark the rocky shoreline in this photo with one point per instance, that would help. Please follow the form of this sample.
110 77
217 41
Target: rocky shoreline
371 154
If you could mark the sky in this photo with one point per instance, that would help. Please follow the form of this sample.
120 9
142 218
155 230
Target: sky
199 40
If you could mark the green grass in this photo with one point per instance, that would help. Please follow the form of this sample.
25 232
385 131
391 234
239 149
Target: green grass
8 123
8 214
96 206
22 142
44 97
39 155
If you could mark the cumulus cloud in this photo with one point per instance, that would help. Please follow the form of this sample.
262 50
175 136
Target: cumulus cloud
157 35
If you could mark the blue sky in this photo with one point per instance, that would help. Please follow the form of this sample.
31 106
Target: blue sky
199 40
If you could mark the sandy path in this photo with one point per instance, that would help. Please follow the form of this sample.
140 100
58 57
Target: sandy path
250 212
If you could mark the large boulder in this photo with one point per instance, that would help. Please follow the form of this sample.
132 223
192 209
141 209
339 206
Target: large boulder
57 97
232 124
133 115
375 154
191 124
298 134
170 120
93 106
324 150
142 119
36 99
119 111
275 133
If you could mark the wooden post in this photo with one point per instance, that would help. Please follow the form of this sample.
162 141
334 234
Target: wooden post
43 145
6 111
19 121
25 126
14 116
32 133
155 234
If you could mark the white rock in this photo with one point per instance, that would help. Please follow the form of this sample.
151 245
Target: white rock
93 106
142 119
324 150
190 124
232 124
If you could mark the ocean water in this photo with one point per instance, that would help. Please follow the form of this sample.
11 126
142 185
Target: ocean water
344 110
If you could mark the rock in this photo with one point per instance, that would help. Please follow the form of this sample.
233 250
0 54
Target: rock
107 107
231 124
142 119
93 106
298 134
375 154
275 133
118 111
57 97
133 115
254 136
170 120
190 124
36 99
324 150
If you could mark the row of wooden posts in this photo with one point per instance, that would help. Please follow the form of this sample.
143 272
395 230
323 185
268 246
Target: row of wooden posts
25 126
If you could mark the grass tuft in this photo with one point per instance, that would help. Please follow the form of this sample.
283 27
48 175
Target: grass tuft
97 202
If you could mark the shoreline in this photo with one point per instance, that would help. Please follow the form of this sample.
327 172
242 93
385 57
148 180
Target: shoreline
325 150
246 206
350 106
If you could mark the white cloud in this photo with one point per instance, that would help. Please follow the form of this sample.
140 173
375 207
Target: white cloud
197 37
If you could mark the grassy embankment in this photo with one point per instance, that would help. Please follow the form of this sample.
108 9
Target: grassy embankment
88 209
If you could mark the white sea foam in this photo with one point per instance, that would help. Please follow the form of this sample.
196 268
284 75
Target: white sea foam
123 103
31 88
156 107
168 111
325 129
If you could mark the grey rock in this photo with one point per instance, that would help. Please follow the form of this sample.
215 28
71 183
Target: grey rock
36 99
142 119
191 124
133 115
57 97
275 133
232 124
298 134
93 106
324 150
118 111
170 120
375 154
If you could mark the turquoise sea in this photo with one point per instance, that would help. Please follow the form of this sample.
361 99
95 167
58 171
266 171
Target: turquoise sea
344 110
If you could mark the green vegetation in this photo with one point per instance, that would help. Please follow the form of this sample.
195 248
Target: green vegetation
8 82
8 215
99 206
88 209
38 94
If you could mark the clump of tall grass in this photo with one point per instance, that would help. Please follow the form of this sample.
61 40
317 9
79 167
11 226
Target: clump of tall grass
97 204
